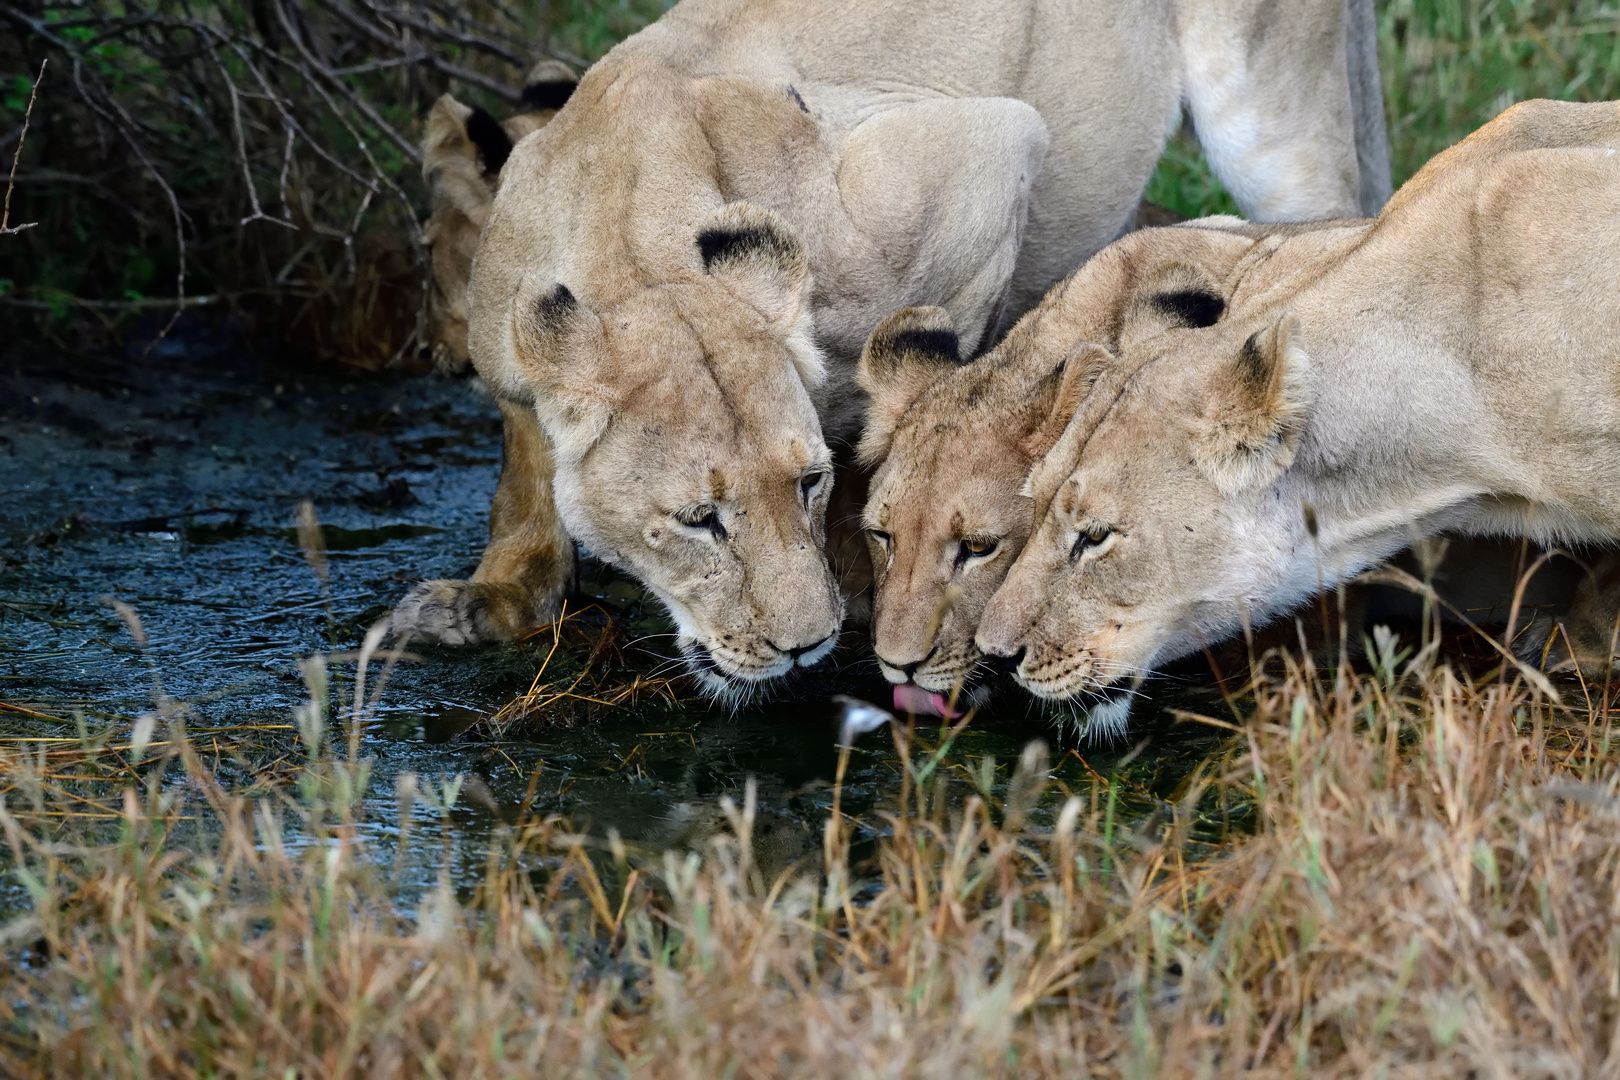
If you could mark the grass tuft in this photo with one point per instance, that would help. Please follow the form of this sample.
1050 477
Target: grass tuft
1427 889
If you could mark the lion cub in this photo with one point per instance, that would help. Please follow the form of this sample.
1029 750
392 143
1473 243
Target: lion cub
1451 366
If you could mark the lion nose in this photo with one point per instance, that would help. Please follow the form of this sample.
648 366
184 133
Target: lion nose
795 653
908 670
1009 662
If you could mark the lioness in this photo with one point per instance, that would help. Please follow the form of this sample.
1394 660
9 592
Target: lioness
679 271
1450 366
952 444
463 149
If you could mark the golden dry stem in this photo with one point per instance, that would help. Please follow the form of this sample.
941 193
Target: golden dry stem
1429 889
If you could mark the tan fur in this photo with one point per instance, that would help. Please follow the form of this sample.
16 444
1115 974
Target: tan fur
897 150
529 562
461 189
956 443
1451 366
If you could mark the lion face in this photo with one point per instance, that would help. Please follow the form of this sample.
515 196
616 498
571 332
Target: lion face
937 561
1163 515
948 514
688 450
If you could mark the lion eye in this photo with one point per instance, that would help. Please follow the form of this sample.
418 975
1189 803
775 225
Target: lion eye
975 547
810 483
1088 539
880 536
702 516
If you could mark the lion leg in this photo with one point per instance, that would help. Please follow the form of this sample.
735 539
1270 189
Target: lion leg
528 565
942 188
1585 638
1271 102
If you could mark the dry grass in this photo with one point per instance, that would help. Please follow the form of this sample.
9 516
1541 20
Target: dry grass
591 642
1431 890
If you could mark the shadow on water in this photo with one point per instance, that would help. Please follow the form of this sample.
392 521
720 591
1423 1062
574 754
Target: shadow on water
172 487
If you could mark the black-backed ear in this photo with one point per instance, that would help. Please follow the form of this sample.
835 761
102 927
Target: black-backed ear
1175 295
1257 409
1057 397
907 353
486 133
549 85
759 257
560 347
450 163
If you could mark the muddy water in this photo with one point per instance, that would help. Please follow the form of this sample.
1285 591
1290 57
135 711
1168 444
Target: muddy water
171 485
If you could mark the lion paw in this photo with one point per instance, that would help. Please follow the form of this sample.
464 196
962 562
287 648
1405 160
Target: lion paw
1547 644
466 612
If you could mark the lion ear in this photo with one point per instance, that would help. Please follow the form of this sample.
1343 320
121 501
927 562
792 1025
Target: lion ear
455 161
463 136
549 85
907 353
1175 295
560 347
757 255
1257 413
1058 395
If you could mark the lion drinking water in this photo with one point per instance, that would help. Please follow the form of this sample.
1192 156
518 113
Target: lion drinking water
1450 366
952 444
677 274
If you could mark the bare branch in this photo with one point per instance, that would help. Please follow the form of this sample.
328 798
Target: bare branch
177 113
6 228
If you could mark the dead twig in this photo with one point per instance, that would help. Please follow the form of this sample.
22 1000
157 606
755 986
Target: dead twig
6 228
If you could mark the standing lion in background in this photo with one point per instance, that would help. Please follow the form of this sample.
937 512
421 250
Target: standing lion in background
463 151
678 272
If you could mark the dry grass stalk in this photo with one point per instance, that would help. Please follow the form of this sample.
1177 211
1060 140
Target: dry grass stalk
1430 890
592 636
258 156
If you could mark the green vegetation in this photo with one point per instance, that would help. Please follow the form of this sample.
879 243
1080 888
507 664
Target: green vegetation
268 150
255 157
1451 65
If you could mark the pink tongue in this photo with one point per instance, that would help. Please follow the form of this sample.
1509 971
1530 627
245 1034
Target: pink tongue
911 698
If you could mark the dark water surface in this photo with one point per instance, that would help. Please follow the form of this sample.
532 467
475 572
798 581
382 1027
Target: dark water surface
171 485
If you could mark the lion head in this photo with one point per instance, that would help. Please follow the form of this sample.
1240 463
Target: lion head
462 153
1162 525
688 450
954 443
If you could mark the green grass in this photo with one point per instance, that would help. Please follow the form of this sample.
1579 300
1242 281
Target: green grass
588 30
1451 65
